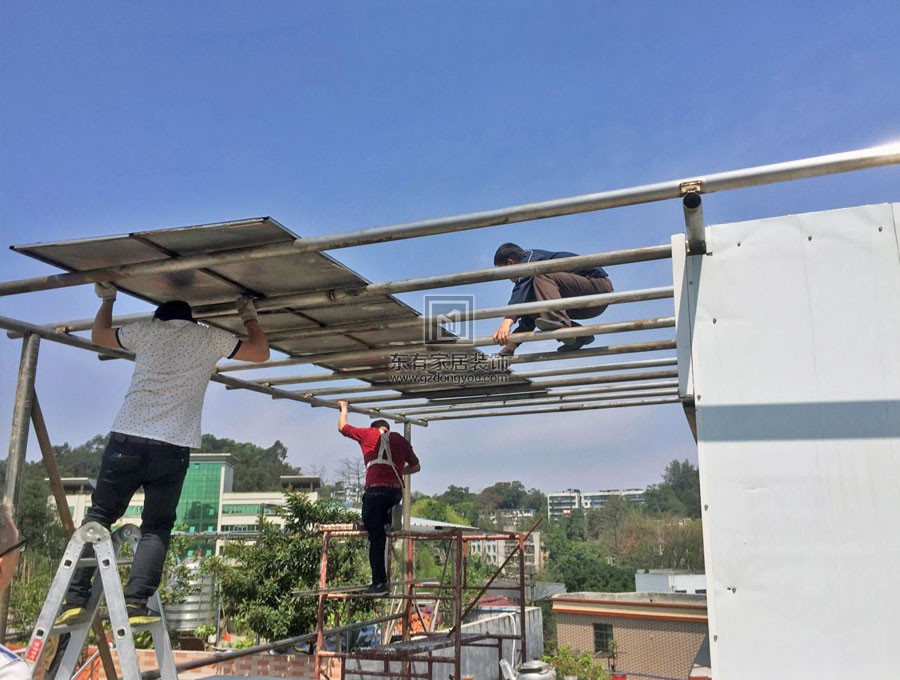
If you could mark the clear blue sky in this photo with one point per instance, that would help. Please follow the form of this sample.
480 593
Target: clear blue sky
331 116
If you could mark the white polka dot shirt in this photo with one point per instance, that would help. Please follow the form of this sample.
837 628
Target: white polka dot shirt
173 363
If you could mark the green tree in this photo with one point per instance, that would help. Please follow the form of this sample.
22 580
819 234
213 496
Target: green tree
256 468
504 495
82 460
431 508
258 579
678 493
583 665
575 525
583 566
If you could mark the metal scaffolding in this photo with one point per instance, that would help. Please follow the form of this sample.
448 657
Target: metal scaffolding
414 652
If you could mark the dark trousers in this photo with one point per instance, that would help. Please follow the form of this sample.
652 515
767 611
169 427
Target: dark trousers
130 463
560 285
377 502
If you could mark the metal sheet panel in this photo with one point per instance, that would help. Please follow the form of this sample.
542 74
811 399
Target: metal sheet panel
269 277
797 383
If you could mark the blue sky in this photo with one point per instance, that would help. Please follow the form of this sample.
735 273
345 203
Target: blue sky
331 116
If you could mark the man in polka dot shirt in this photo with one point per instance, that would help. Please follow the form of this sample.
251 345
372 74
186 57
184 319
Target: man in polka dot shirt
157 426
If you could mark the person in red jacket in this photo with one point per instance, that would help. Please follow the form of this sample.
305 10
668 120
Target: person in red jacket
388 457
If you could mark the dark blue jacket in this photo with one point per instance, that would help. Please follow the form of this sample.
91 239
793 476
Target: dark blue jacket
523 290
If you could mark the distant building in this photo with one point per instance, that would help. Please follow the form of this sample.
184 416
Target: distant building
208 507
348 494
494 551
640 634
513 520
564 502
670 581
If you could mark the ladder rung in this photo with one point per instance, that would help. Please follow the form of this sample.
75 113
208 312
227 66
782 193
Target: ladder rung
92 562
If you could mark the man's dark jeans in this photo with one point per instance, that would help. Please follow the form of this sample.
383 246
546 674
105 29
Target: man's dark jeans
377 502
129 463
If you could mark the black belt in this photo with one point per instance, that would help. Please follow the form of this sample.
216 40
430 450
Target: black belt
131 439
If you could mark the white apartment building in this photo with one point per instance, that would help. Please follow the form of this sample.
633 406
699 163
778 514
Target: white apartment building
564 502
494 551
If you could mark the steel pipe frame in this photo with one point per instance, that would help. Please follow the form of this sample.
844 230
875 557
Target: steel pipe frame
357 389
18 444
692 205
547 401
374 374
566 395
381 354
15 325
338 296
522 309
533 388
872 157
559 409
652 346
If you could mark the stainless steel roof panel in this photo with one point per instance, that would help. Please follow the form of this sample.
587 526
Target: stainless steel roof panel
269 277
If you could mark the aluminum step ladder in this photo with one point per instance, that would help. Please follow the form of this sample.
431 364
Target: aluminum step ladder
106 585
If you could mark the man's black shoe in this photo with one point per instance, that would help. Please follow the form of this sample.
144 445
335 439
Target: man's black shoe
379 590
578 343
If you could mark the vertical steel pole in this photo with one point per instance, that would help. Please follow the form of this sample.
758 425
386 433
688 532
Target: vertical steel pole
458 606
18 443
65 517
521 546
407 487
320 613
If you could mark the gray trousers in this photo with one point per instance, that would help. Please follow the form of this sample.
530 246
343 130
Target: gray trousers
561 285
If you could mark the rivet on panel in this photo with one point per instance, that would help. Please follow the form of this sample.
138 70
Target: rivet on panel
706 507
739 244
715 638
715 320
880 228
809 237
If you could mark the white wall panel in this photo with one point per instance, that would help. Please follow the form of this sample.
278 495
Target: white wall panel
794 325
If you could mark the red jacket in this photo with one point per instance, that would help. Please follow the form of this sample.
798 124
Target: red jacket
402 455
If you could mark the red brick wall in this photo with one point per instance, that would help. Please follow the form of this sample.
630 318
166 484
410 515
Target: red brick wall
274 665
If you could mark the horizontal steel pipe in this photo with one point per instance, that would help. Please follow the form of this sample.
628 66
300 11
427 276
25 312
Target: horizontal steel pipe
382 354
374 374
352 294
608 350
547 401
377 375
535 389
525 308
559 409
17 326
649 363
872 157
565 394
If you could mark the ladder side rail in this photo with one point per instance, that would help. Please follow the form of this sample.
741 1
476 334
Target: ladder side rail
53 602
118 614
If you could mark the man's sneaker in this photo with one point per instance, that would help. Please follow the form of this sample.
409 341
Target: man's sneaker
70 615
576 344
379 590
140 615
